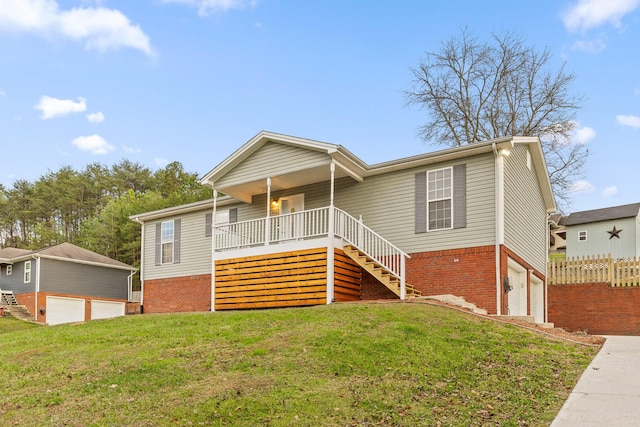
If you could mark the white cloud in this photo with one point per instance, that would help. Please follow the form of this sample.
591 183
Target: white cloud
2 93
95 117
587 14
53 107
591 46
582 135
130 149
95 144
631 121
208 7
100 28
582 187
160 162
610 191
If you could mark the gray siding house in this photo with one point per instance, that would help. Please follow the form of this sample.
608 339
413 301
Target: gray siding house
611 231
65 283
303 222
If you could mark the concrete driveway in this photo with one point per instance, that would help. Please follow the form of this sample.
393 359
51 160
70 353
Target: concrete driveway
608 392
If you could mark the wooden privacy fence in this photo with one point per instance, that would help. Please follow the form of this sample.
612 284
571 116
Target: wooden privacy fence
595 269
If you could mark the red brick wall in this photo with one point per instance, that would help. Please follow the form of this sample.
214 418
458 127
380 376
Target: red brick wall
468 272
372 289
596 308
177 294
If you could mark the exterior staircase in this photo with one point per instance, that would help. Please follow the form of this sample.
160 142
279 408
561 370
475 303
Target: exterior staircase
382 274
10 305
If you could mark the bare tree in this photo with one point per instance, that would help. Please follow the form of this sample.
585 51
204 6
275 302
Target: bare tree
477 91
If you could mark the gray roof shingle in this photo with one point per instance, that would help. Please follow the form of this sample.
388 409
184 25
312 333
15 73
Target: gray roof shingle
605 214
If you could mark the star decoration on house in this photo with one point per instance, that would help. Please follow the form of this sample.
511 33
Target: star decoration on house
614 233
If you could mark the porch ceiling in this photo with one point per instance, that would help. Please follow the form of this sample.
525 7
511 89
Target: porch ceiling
244 191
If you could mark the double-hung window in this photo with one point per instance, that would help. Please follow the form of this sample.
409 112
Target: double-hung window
9 270
27 271
439 199
166 242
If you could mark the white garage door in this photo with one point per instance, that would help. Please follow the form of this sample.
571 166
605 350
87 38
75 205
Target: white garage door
64 310
106 309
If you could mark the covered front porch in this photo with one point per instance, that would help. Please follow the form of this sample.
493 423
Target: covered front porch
282 252
311 257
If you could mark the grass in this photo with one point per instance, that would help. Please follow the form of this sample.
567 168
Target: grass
338 365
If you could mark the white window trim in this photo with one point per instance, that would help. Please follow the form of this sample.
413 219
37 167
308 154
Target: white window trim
580 234
163 242
9 270
27 272
450 198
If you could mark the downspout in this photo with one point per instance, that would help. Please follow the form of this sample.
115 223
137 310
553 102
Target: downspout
499 208
330 243
37 285
546 273
136 219
213 250
130 285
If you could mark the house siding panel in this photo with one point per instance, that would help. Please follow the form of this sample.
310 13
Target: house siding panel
15 282
273 159
195 248
525 214
70 278
386 203
598 242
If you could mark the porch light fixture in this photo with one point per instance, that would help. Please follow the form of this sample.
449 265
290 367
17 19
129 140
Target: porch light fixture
274 203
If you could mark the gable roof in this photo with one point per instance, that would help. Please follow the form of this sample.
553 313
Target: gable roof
65 252
605 214
347 164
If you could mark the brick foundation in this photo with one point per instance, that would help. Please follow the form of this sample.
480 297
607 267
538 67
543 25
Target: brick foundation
372 289
177 294
596 308
467 272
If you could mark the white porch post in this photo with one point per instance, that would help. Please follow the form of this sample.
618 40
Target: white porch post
213 250
267 224
330 244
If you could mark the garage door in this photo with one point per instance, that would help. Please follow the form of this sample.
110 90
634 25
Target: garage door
106 309
64 310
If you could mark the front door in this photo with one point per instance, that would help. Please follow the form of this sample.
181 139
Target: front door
291 217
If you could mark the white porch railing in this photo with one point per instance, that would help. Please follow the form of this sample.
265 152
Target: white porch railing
311 224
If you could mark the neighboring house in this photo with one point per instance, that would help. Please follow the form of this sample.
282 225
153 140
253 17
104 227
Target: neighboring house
557 234
305 222
66 283
611 231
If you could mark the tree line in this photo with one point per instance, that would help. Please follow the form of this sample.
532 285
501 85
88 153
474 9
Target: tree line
91 208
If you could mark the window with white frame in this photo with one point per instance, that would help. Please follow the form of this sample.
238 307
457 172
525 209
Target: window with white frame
582 236
27 271
166 242
439 199
222 217
9 270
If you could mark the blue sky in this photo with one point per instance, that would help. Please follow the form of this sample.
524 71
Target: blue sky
156 81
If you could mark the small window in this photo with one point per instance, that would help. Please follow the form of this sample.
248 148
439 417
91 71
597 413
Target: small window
9 270
439 199
582 236
222 217
167 242
27 271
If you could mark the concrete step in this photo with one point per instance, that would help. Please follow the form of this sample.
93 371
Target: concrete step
20 312
457 301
